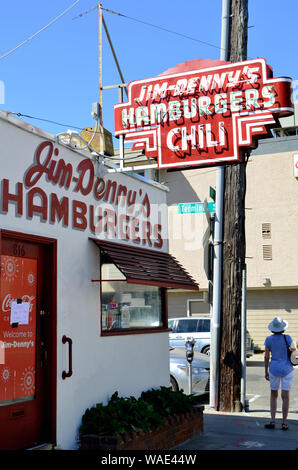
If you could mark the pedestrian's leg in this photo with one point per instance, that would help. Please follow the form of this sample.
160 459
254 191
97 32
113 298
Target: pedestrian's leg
274 386
273 404
285 396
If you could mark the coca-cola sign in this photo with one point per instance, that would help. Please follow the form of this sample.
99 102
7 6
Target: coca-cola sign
203 117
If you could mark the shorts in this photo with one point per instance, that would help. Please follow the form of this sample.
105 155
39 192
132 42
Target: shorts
286 381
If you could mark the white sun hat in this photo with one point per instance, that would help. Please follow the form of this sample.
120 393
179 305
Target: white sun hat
277 325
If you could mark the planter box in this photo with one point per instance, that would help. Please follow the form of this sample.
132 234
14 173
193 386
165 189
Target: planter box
177 429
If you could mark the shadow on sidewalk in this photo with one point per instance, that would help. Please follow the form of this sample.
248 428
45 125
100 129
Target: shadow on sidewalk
255 364
243 431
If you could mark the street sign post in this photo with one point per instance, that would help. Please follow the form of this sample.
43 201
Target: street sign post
212 193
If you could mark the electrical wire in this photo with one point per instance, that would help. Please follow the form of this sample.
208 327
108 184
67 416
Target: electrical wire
165 29
148 24
39 31
52 122
87 144
161 28
73 127
85 12
91 131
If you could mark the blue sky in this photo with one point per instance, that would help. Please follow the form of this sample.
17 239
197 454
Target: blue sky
55 76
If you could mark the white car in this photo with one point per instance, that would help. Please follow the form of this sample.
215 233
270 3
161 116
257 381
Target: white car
179 372
199 329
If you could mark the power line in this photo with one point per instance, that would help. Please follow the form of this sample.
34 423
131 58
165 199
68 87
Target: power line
162 147
49 121
162 28
68 126
85 12
39 31
148 24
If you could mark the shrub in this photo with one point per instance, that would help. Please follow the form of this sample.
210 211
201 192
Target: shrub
166 402
131 414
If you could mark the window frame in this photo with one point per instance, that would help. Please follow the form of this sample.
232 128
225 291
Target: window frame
132 331
188 305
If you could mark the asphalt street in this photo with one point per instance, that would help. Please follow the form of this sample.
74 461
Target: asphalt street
245 430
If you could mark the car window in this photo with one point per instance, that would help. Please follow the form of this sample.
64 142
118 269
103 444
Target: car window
171 324
187 326
204 326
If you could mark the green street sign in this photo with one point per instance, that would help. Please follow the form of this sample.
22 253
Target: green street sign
195 207
212 193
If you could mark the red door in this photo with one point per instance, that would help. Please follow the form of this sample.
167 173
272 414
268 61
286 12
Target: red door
26 337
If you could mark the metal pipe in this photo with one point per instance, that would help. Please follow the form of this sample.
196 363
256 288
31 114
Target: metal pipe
218 233
100 58
225 30
101 134
243 343
121 137
190 378
217 287
113 52
107 87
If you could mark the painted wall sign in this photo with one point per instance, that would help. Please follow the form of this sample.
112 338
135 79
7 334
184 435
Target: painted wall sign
116 211
203 117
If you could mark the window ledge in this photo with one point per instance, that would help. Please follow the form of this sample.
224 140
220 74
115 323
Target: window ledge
140 331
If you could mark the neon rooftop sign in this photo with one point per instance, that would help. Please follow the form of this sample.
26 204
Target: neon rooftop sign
203 117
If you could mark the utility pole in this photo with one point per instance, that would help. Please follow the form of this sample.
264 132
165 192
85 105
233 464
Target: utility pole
100 101
234 244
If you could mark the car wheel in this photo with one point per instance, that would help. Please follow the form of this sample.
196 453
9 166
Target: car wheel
174 384
206 350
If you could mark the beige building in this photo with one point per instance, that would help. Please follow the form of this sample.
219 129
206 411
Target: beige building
271 233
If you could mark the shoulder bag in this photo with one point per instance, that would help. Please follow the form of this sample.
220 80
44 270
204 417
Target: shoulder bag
292 357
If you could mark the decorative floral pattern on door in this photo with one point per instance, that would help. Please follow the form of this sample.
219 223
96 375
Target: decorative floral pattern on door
17 374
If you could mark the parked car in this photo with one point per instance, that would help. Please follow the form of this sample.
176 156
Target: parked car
199 329
179 372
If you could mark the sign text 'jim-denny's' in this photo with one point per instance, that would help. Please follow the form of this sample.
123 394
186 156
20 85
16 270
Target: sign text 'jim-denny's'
203 117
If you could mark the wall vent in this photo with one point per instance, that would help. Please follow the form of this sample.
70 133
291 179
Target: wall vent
267 252
266 230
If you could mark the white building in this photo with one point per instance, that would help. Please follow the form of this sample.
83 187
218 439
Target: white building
84 272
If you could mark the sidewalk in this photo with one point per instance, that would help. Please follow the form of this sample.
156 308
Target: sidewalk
242 431
245 430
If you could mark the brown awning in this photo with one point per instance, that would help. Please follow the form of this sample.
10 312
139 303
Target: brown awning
144 266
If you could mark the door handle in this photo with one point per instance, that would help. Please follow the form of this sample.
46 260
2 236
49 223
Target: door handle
65 374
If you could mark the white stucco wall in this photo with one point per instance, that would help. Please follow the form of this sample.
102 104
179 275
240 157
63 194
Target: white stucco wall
101 365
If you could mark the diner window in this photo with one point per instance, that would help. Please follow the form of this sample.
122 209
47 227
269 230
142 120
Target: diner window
127 306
